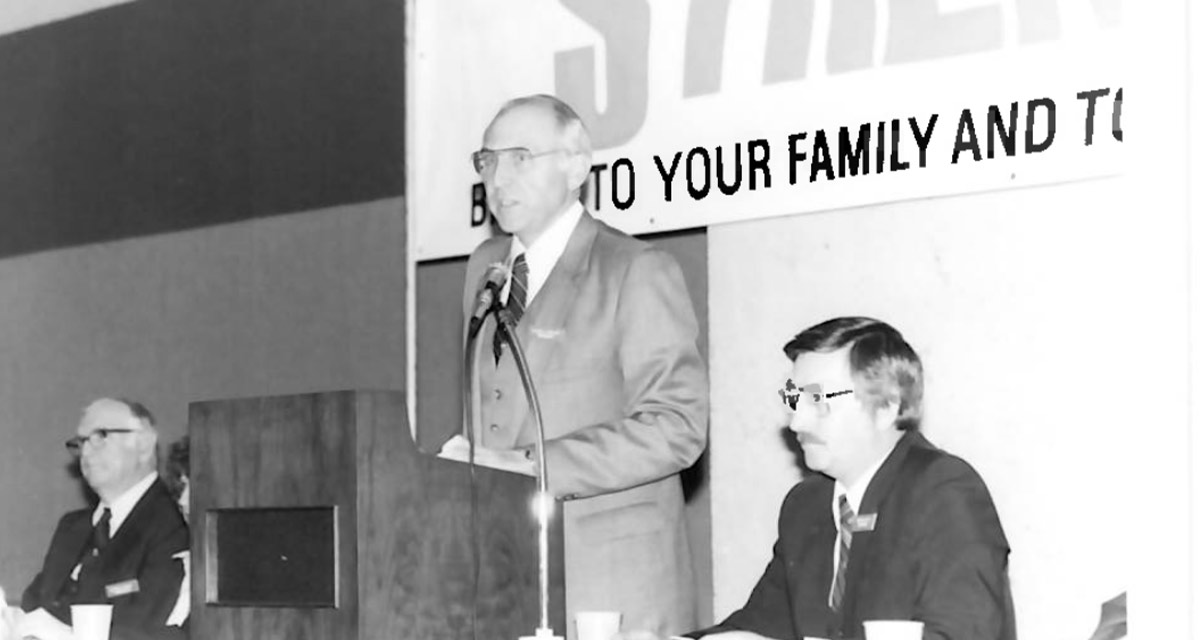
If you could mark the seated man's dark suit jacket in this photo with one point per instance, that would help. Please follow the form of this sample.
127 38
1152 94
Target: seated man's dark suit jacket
937 554
141 550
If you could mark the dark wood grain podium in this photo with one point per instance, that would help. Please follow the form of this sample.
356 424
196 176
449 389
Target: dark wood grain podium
315 516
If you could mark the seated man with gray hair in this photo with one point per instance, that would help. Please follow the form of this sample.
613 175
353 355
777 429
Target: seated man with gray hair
123 551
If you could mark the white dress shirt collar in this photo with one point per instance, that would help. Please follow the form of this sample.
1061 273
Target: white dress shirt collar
546 250
854 493
124 504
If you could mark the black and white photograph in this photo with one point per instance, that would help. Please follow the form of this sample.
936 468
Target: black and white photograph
599 319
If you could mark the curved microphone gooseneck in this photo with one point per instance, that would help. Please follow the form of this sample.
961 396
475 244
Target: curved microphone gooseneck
544 503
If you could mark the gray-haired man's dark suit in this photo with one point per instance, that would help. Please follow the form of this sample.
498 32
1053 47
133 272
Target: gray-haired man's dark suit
136 572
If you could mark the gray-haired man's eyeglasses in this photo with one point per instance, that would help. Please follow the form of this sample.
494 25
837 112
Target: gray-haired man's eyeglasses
485 160
97 438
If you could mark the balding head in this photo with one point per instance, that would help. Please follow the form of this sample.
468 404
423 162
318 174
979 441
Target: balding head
572 133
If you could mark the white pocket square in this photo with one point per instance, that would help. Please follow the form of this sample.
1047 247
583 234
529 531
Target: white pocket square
546 334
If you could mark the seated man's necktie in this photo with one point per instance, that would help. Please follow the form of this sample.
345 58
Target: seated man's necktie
99 538
844 538
96 543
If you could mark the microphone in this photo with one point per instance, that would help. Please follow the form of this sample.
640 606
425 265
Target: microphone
489 293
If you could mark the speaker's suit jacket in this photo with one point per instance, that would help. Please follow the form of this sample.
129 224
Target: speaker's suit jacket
937 554
611 340
136 572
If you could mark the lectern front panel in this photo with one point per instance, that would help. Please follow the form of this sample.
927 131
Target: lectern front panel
272 557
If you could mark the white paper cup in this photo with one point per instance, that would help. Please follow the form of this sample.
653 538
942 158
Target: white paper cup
91 621
597 625
893 629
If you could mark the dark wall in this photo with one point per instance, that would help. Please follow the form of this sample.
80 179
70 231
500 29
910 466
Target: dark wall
173 114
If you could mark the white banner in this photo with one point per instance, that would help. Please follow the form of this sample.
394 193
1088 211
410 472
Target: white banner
712 111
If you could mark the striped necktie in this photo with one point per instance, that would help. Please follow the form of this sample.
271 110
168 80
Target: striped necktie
518 292
844 538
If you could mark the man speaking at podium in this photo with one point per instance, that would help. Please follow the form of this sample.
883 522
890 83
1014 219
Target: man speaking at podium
611 340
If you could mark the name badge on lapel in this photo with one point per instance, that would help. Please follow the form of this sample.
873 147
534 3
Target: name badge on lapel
546 334
117 589
863 522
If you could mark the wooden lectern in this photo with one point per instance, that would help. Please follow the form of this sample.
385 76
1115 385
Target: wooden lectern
315 516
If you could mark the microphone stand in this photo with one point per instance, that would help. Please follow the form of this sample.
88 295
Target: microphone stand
468 420
544 502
